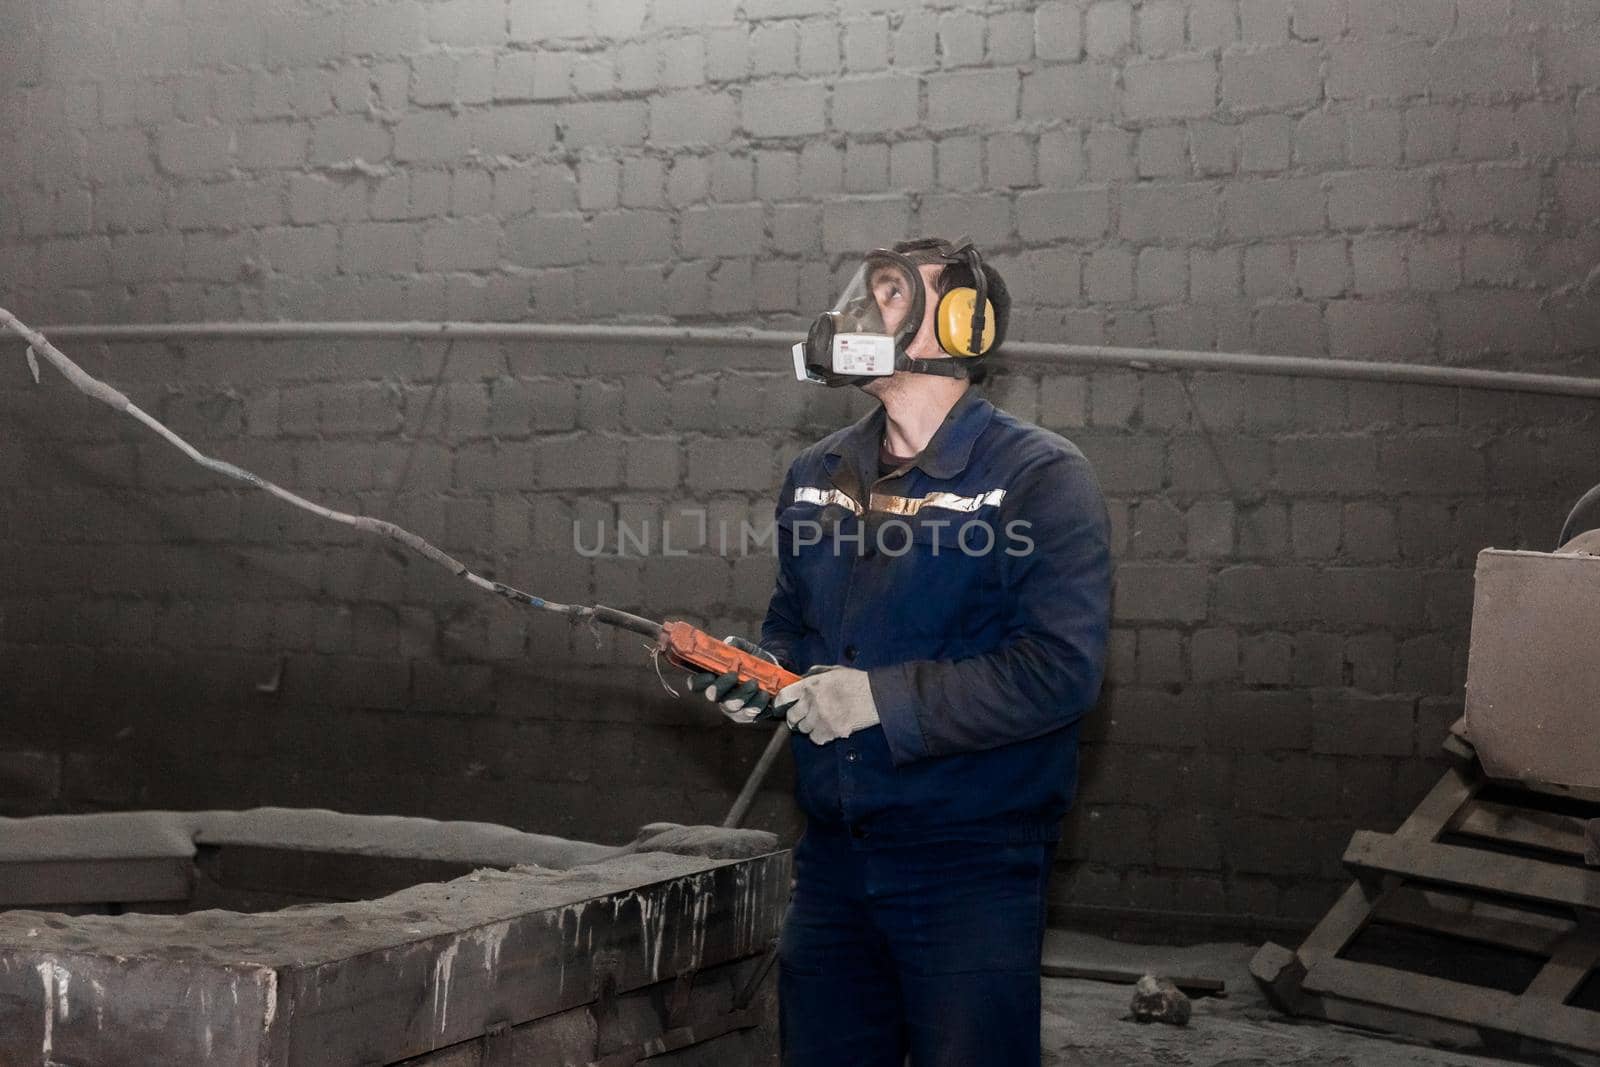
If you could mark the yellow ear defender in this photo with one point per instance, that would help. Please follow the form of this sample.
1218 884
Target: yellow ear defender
954 325
966 321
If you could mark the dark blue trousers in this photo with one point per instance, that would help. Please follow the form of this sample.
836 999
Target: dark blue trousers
928 950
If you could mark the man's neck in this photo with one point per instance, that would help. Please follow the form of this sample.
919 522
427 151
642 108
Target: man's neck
914 410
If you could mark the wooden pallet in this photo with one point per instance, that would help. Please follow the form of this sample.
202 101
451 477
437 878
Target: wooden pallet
1478 864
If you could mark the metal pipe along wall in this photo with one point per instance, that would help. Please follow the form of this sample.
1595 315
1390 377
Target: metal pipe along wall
1147 359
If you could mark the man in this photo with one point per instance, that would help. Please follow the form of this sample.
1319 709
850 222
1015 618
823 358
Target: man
945 671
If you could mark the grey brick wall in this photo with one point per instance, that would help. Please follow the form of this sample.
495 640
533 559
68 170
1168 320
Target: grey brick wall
1314 177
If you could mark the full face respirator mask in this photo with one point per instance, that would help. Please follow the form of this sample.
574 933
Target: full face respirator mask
866 334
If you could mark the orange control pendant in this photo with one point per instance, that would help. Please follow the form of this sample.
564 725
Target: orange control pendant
696 650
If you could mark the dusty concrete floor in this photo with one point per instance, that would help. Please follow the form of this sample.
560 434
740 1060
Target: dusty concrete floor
1086 1024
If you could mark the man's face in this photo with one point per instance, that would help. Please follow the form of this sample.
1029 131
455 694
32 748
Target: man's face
893 303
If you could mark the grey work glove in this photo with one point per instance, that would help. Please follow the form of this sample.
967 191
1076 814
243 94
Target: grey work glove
828 703
741 703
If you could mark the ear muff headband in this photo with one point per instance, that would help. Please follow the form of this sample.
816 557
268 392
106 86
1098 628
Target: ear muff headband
982 310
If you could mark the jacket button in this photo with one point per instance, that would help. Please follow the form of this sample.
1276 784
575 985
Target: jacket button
858 832
850 652
851 756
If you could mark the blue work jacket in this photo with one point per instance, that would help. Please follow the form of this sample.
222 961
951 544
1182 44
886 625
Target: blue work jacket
973 587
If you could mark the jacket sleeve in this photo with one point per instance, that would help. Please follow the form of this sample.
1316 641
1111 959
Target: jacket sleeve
783 626
1048 671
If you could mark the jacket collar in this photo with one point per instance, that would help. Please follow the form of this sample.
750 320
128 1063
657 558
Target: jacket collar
852 462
